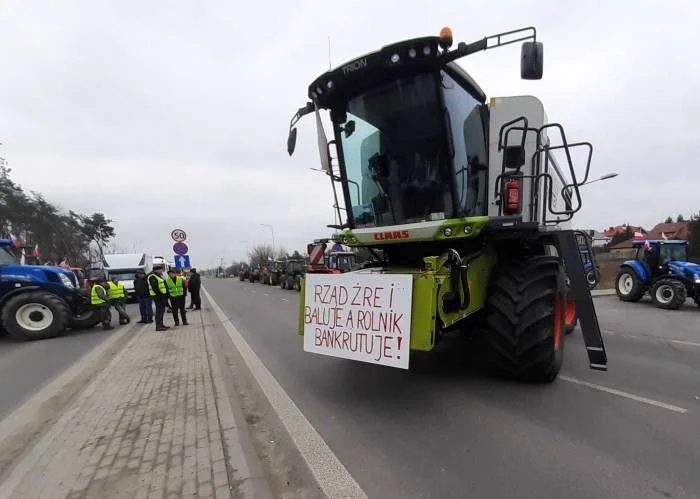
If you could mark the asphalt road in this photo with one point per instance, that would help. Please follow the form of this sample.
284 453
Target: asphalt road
25 367
445 429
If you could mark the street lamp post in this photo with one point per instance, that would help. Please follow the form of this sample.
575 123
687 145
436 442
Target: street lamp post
602 177
273 237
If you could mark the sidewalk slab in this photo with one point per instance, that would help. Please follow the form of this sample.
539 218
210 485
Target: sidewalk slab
155 423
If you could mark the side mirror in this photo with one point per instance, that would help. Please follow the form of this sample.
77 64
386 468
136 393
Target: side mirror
292 141
531 61
514 157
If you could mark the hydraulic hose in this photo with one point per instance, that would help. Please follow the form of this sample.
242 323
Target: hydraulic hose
458 279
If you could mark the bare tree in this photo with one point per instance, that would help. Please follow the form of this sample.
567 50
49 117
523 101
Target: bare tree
260 254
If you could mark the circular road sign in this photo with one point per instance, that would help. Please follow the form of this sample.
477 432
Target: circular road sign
178 235
180 249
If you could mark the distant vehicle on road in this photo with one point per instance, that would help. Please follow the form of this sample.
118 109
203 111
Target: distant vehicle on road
123 266
291 275
660 268
38 301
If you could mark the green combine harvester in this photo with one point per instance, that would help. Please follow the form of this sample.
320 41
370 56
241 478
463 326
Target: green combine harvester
462 201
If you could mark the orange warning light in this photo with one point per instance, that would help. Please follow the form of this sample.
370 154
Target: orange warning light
445 38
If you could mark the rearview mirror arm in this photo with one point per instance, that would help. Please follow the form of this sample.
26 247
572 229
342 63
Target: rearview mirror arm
303 111
464 49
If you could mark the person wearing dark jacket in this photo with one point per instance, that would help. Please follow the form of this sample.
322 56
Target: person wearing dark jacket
159 292
143 297
194 287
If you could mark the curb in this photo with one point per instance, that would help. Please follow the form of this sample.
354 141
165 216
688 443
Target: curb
602 292
246 476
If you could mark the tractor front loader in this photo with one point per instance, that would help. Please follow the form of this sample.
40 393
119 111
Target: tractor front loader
461 199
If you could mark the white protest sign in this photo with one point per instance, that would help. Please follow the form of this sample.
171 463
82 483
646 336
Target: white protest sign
365 317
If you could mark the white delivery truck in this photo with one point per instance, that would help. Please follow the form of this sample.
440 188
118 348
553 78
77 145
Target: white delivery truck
123 266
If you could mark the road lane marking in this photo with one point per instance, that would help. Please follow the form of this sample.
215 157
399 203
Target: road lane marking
266 294
253 291
650 337
330 473
684 342
627 395
284 299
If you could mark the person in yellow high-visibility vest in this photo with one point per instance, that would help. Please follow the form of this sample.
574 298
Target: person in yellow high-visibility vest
177 291
99 298
117 296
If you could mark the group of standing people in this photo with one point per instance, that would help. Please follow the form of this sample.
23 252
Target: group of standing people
169 291
166 292
104 297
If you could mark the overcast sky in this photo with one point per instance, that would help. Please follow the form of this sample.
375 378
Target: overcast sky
175 113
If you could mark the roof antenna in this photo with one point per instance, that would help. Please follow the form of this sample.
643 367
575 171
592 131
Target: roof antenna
329 53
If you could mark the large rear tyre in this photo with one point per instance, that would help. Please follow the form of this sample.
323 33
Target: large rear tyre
668 293
36 315
283 282
628 286
525 319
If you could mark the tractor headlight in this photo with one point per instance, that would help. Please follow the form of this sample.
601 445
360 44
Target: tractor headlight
66 281
697 279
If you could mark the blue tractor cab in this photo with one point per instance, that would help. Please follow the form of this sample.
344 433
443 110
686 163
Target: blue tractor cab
660 268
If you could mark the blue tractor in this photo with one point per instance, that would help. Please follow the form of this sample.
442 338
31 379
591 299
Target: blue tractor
37 301
661 268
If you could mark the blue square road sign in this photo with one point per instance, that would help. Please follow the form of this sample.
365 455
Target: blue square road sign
182 261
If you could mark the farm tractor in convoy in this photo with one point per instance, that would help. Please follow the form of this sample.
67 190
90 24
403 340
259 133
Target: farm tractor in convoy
293 269
661 268
274 271
39 302
460 196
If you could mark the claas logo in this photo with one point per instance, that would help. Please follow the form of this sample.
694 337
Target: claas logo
397 234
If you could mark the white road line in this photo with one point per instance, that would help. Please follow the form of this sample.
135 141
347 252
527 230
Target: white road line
627 395
253 291
266 294
648 337
284 299
684 342
331 475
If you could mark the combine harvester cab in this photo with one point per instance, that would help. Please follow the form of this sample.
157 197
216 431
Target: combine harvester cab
462 202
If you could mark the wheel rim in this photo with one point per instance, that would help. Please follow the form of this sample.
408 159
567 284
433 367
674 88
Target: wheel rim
557 324
570 317
625 284
34 317
665 294
591 278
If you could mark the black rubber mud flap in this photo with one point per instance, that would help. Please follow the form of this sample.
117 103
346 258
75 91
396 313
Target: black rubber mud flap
566 244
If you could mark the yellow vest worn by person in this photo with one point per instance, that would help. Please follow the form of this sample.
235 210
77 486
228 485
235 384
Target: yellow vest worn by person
94 298
161 285
116 291
176 287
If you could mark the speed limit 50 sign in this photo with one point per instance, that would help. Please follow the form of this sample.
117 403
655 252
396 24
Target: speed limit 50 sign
178 235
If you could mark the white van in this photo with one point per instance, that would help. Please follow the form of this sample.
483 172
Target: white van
123 266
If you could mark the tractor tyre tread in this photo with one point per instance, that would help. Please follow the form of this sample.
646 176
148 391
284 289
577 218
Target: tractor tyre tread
679 294
59 308
520 318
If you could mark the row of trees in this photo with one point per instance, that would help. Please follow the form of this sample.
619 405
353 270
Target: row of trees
38 223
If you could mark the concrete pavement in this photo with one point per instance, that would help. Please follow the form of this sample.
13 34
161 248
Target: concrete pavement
156 421
445 429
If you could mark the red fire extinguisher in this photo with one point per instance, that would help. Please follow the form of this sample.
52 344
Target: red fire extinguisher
512 197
